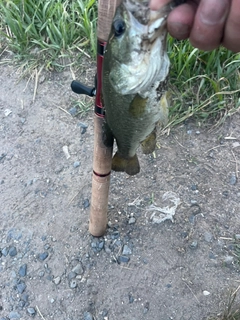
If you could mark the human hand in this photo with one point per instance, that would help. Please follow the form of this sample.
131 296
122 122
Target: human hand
207 23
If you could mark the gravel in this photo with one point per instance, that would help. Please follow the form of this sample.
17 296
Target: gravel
126 250
57 280
23 270
43 256
21 286
123 259
132 220
73 284
78 269
14 315
193 245
31 311
12 251
87 316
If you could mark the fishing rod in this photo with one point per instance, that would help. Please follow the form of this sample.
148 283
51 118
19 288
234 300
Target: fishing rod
102 155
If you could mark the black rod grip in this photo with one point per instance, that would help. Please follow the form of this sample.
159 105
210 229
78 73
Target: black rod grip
80 88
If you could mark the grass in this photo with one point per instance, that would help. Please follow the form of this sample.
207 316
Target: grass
204 84
232 310
48 32
52 34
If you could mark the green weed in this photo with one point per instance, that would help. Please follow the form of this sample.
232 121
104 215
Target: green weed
232 310
206 85
48 31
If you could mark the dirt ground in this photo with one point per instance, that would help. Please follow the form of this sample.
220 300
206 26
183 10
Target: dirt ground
52 268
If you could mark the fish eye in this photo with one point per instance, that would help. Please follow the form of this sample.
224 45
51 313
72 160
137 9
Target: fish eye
119 27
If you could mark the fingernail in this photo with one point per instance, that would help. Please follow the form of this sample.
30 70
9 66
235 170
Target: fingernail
213 11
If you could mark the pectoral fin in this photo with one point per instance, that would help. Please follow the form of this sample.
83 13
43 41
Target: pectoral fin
107 135
130 166
138 106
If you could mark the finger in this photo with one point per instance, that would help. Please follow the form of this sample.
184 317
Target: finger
208 26
231 38
180 20
157 4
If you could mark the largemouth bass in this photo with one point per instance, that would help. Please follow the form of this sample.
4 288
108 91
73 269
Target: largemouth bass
135 72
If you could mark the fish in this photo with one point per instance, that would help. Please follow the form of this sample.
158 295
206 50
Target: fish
134 81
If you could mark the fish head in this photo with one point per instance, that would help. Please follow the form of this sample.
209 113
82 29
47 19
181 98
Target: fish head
136 49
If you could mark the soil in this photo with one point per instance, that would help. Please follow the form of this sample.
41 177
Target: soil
52 268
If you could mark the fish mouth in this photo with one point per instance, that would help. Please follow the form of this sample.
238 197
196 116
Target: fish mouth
147 61
151 22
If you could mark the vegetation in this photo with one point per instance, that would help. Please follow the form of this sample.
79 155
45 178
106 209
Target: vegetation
44 32
232 311
205 84
56 33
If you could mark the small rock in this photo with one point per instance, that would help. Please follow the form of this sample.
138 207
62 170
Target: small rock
101 245
14 315
22 270
87 316
49 277
21 287
41 273
25 297
86 203
211 255
83 126
5 251
21 304
225 193
73 111
12 251
57 280
228 260
130 298
78 269
237 236
194 187
31 311
126 250
7 112
146 308
73 284
47 246
43 256
232 179
193 245
235 144
132 220
123 259
206 293
208 236
115 235
71 275
104 312
65 151
76 164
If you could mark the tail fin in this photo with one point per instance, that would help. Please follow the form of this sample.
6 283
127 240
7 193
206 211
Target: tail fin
130 166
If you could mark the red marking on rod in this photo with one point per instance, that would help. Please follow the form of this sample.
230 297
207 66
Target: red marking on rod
101 175
99 111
